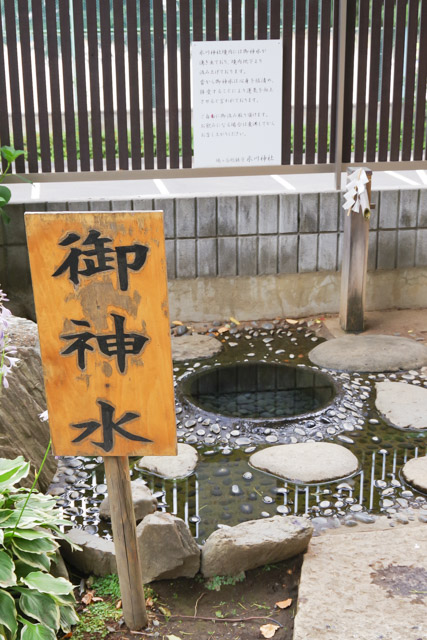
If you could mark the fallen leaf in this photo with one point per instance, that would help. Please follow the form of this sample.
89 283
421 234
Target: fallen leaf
223 329
177 323
165 611
173 638
284 604
89 597
234 320
149 602
118 604
290 321
268 630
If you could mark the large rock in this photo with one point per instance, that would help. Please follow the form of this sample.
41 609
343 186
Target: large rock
415 473
96 556
404 405
369 353
166 548
143 501
252 544
194 346
21 431
179 466
306 462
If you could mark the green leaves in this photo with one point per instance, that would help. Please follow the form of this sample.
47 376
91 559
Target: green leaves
8 612
7 570
68 617
11 471
10 154
47 584
5 195
36 632
41 607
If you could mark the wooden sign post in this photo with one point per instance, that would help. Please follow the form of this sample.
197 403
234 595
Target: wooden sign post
354 265
100 290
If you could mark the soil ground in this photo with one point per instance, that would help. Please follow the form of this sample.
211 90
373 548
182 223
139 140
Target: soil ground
251 602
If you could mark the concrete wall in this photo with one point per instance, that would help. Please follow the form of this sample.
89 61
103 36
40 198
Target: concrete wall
246 255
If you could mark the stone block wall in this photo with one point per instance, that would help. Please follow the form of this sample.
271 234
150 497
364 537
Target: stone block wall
248 235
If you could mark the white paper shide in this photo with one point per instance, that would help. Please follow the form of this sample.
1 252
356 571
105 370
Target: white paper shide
237 97
356 195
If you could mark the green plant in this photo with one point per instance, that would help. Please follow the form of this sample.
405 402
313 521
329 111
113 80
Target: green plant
216 582
107 586
33 604
10 155
93 620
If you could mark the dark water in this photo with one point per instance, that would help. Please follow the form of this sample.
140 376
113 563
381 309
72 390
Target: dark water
259 390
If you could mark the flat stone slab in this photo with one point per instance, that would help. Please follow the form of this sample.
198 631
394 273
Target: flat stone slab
404 405
368 585
306 462
415 473
372 353
194 347
231 550
179 466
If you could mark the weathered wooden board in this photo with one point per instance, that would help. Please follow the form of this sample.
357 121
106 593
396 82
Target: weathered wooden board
100 291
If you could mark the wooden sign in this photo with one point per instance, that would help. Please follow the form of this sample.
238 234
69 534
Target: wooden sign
100 290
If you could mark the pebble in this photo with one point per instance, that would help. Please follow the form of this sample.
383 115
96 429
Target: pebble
400 517
366 518
247 475
282 509
222 471
246 509
241 442
267 499
350 523
236 490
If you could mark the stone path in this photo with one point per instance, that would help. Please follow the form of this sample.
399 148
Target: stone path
415 473
368 585
404 405
194 346
370 353
179 466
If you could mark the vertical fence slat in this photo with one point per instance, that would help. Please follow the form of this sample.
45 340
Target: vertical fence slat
299 81
287 81
310 131
159 76
132 42
334 81
197 20
349 78
362 56
388 28
39 56
27 81
249 19
67 75
172 84
147 90
79 48
107 82
18 138
374 74
275 19
262 19
119 46
411 52
210 20
420 114
223 20
95 111
4 119
55 96
399 55
236 20
325 38
184 16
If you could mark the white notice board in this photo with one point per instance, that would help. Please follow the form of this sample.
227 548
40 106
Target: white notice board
237 98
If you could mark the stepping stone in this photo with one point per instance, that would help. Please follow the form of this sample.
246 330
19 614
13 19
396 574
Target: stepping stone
371 353
194 347
364 586
404 405
179 466
415 473
306 462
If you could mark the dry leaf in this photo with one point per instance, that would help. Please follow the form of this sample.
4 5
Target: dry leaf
284 604
290 321
173 638
149 602
118 604
234 320
177 323
223 329
89 597
165 611
268 630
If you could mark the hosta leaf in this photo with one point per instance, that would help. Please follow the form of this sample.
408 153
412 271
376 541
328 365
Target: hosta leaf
3 632
47 584
10 474
8 612
7 570
66 598
38 545
36 632
68 617
36 560
22 569
41 607
29 534
1 536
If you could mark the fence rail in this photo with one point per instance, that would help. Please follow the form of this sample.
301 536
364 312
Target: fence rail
101 85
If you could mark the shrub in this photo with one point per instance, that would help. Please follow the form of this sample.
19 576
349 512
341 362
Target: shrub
33 604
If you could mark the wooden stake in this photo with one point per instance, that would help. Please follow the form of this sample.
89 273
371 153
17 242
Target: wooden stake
354 265
125 542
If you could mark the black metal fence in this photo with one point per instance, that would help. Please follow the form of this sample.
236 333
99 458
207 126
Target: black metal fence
101 85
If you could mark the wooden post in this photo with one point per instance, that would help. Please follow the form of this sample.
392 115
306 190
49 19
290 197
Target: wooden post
125 542
354 265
